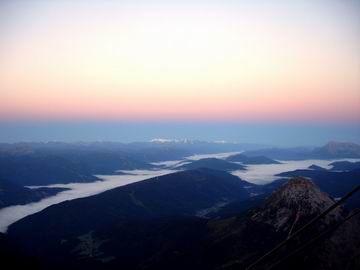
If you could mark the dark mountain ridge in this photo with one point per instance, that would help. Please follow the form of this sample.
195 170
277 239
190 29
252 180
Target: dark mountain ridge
39 169
212 163
152 151
251 159
44 167
316 168
152 225
331 150
344 166
185 193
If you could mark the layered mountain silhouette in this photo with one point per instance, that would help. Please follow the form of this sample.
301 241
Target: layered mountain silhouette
163 223
199 218
344 165
186 193
33 169
24 166
152 151
332 150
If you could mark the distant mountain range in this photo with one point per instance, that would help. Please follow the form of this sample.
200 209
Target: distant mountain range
159 224
152 151
41 169
335 150
51 165
26 164
332 150
43 164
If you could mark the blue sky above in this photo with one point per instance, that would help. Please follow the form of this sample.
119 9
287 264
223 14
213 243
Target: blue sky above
275 72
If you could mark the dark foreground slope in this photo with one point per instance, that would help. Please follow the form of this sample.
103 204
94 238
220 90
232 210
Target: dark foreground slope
154 224
183 194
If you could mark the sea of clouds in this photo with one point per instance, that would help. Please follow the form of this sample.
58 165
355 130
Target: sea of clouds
257 174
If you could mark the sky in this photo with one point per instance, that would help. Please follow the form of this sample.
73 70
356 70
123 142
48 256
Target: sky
149 68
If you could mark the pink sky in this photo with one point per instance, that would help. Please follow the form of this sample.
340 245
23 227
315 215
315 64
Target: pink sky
180 61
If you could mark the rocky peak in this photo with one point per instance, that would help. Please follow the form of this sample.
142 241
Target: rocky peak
342 147
297 201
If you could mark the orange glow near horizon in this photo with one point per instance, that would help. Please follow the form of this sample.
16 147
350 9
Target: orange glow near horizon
179 62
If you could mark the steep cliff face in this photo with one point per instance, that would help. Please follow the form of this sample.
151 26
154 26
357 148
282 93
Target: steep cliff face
239 241
339 249
295 203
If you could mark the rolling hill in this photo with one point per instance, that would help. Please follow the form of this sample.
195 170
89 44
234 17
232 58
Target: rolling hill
212 163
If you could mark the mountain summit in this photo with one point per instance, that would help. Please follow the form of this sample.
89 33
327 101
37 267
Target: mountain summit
298 199
338 150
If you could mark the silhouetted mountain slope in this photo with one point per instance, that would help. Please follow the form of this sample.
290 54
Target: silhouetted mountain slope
141 220
239 241
187 193
345 165
316 168
212 163
49 166
241 206
12 194
38 169
251 160
65 236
